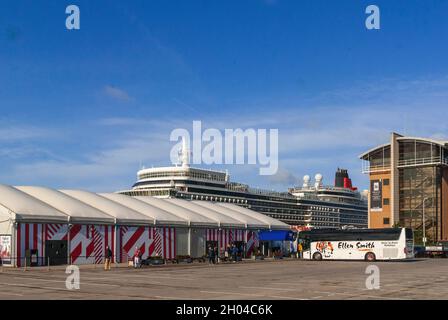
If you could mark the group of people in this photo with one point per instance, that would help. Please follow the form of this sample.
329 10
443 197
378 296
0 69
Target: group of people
213 255
296 250
231 253
136 258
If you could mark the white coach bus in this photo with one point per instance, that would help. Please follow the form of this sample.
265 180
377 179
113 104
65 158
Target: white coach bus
358 244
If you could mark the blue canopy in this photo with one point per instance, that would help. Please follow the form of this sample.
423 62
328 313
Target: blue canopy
276 235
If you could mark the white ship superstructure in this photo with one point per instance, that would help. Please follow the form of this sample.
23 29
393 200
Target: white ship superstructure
315 206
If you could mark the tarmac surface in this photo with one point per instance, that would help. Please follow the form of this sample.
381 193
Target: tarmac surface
249 280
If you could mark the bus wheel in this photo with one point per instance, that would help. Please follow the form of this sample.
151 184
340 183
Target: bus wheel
370 256
317 256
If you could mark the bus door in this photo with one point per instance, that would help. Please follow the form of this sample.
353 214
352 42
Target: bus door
306 246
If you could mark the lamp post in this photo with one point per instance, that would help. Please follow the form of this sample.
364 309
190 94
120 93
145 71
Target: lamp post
424 223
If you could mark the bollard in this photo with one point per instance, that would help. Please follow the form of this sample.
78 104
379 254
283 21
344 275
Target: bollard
48 269
24 269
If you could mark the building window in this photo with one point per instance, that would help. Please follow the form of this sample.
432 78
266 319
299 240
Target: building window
386 182
386 220
386 201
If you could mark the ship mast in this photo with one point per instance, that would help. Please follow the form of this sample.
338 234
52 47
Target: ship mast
185 154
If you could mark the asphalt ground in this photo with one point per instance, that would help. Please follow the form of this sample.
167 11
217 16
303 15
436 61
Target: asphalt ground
250 280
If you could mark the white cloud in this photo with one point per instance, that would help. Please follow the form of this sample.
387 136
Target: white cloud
283 177
116 93
14 133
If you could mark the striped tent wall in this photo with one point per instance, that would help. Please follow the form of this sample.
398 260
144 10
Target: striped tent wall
88 243
32 236
225 237
132 237
252 242
56 231
150 241
167 237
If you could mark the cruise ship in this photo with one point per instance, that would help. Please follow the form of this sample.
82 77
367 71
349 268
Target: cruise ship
306 207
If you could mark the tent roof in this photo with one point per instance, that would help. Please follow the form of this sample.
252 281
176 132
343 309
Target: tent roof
45 205
23 207
273 223
192 217
159 216
78 211
250 222
223 220
123 215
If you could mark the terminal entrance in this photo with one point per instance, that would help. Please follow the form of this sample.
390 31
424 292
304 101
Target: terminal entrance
264 248
56 252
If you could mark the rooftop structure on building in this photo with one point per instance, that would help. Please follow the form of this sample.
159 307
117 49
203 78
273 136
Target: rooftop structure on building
409 185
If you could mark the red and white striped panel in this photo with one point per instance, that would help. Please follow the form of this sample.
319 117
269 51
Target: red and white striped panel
56 231
167 238
88 243
212 235
224 239
109 240
132 237
98 245
252 242
30 236
156 249
238 235
150 241
228 236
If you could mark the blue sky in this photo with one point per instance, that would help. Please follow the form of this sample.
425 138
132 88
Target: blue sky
87 108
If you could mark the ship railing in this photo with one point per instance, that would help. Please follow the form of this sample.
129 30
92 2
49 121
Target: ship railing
265 192
322 188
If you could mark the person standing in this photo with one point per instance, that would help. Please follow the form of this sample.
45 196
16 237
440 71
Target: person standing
108 258
234 253
300 250
216 255
137 255
229 252
210 255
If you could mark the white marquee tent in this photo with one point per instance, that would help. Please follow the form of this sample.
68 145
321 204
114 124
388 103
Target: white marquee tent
37 222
